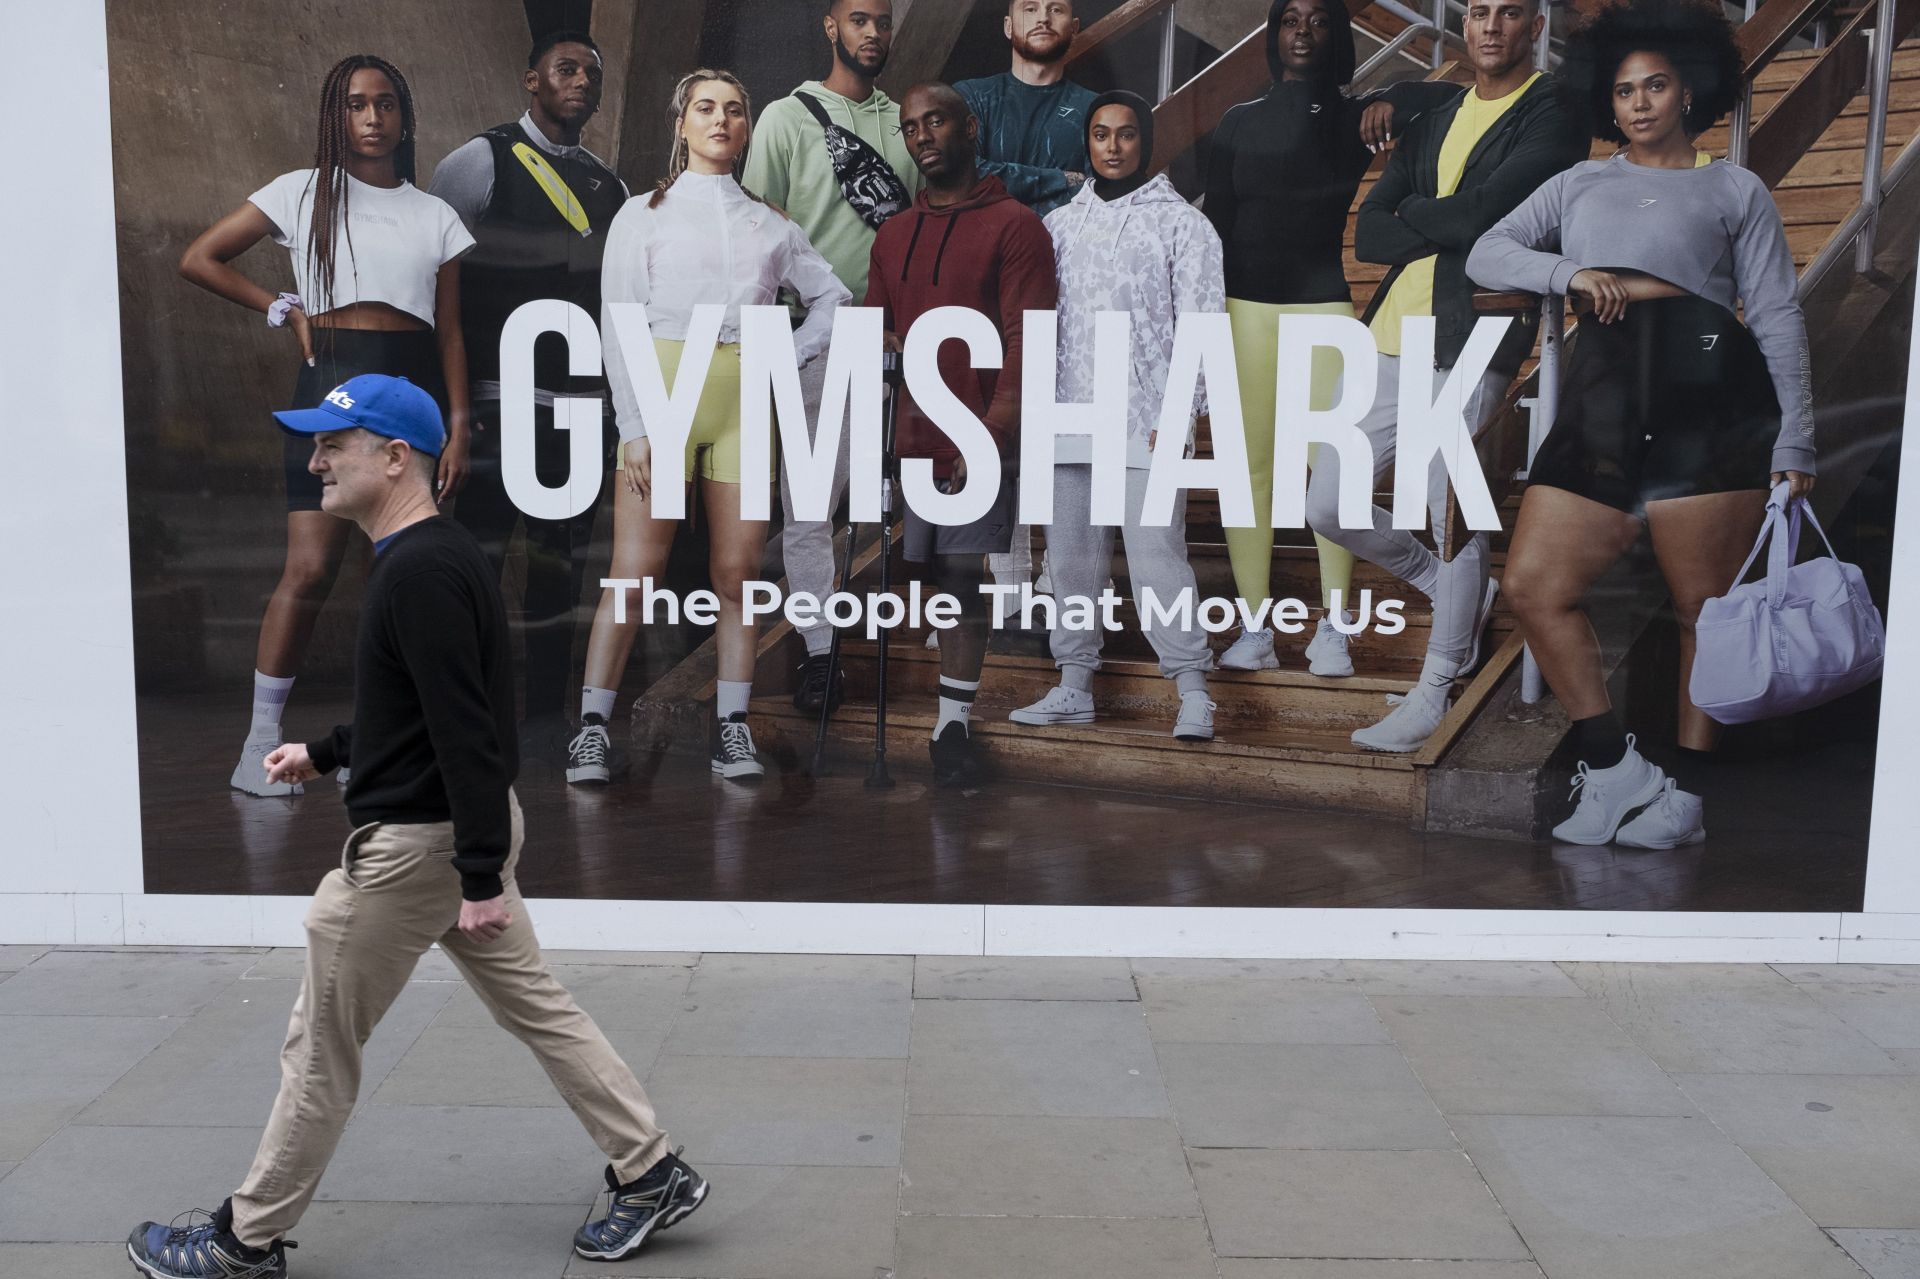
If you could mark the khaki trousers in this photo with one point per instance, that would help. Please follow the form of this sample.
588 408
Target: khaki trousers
395 894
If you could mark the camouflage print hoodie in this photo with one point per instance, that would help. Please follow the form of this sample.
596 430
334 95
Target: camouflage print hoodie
1150 253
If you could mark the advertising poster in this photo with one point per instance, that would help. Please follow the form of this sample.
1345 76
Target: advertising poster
1318 473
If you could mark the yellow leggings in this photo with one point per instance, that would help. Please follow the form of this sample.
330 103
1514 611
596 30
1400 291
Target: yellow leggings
713 445
1256 338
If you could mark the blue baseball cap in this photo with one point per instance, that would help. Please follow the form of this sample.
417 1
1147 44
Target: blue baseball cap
389 406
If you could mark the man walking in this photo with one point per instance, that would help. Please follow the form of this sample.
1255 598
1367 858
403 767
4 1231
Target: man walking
830 155
437 838
966 243
539 205
1459 169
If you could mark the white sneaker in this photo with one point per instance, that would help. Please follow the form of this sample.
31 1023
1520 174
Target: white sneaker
1195 723
1327 654
1253 651
1410 723
1480 621
1061 705
1043 584
1677 817
250 774
1607 795
933 639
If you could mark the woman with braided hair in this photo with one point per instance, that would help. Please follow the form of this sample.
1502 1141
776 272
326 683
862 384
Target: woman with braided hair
699 238
375 263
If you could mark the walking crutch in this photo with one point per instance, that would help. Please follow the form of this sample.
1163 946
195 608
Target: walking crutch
818 767
877 776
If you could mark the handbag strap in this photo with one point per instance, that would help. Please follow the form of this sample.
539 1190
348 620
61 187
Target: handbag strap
1774 517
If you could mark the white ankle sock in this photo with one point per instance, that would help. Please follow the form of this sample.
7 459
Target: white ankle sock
956 702
1438 673
596 701
270 693
732 696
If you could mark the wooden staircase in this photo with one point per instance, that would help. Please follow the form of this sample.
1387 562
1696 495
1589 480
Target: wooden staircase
1282 736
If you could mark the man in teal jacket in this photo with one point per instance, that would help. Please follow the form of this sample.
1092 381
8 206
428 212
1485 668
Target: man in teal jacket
1033 120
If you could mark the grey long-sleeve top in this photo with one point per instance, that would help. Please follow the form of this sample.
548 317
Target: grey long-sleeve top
1713 231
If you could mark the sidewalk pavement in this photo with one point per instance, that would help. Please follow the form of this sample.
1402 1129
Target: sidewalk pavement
899 1118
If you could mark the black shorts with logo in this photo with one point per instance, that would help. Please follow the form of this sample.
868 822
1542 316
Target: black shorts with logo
1673 400
340 354
991 534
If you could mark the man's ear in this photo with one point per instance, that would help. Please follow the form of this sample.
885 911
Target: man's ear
530 81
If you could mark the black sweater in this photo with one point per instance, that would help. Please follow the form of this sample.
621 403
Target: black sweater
432 737
1280 183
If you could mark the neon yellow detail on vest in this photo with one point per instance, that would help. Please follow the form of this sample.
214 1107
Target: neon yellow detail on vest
555 187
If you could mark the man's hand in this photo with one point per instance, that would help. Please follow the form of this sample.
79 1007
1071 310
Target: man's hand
485 921
1376 127
291 763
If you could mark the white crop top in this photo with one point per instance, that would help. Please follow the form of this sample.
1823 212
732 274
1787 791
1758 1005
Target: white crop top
391 251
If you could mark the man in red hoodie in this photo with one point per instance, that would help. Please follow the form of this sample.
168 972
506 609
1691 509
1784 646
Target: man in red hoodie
965 242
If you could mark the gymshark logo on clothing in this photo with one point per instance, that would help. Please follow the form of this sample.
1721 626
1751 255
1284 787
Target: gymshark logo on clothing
1650 200
1066 113
338 396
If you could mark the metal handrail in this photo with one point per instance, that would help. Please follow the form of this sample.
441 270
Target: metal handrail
1392 47
1848 234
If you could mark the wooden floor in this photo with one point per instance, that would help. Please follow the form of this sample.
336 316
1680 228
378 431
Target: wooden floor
672 832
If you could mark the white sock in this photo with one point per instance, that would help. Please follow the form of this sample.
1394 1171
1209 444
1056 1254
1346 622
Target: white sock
956 702
1438 673
270 693
732 696
596 701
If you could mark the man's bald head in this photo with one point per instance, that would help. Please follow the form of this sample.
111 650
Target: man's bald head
939 132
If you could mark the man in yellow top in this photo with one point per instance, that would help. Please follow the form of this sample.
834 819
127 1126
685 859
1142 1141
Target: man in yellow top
1458 170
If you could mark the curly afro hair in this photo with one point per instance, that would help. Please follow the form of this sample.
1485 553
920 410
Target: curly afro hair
1696 37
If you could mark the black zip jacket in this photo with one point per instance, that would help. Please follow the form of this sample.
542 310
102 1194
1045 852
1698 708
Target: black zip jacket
1403 219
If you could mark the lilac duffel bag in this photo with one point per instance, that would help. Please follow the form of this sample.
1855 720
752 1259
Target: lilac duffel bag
1802 635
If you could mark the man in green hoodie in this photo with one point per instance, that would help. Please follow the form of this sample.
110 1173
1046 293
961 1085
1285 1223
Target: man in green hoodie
831 156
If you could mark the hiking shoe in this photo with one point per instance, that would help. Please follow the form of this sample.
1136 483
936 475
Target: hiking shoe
588 752
956 761
1675 817
1061 705
665 1195
1253 651
1327 652
201 1245
820 679
1607 795
733 755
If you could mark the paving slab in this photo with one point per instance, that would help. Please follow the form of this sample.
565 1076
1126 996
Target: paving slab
486 1066
1728 1018
1845 1148
1021 977
1248 1269
14 958
291 962
1509 1055
435 1241
92 983
1002 1057
465 1154
783 1110
1644 1198
776 1223
1888 1013
222 1069
617 997
1040 1166
1367 1204
1256 1010
796 1006
624 958
94 1184
53 1067
1300 1096
1316 972
1883 1254
1053 1248
1473 977
65 1260
1850 974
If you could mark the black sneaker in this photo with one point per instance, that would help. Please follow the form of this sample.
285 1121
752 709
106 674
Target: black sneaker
201 1245
956 761
733 755
665 1196
588 752
815 688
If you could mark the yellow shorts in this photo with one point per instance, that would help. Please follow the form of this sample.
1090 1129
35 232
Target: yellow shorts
713 445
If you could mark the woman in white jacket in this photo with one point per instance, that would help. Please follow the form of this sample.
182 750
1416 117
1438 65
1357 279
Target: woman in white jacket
700 238
1129 244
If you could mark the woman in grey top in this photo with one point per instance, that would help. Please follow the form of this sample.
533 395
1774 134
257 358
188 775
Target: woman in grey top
1674 416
